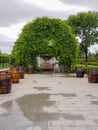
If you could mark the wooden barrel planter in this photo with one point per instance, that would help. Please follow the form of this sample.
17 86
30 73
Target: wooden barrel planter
79 72
21 71
93 75
30 69
5 83
15 75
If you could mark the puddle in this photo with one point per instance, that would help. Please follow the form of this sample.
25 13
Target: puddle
28 111
68 76
42 88
33 109
91 96
88 95
94 102
7 105
13 118
59 82
96 121
67 94
33 106
34 81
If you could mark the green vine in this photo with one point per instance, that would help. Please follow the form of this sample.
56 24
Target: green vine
45 36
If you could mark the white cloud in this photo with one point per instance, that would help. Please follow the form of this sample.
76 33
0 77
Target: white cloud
93 48
15 13
11 33
6 46
55 5
91 4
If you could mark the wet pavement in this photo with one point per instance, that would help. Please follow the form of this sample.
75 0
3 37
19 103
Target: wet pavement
50 102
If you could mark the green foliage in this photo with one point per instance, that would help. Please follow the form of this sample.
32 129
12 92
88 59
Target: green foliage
96 57
85 27
92 63
4 58
4 65
92 60
92 57
86 68
45 36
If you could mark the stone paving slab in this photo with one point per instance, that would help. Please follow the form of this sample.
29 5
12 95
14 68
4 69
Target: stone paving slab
50 102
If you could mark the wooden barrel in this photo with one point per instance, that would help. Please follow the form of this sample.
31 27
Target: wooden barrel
15 75
80 72
5 83
93 75
21 74
21 71
30 69
10 81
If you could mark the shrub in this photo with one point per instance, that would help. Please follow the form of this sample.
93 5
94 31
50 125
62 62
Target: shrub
86 68
92 63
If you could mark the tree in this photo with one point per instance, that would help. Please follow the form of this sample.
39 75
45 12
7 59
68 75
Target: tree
4 58
85 27
45 36
96 57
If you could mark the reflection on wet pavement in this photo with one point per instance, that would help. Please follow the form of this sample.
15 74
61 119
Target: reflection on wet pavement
46 102
13 118
30 110
32 106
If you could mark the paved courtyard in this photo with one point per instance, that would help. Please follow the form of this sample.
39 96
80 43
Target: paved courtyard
50 102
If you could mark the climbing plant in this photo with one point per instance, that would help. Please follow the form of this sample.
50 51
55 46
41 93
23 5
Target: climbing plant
45 36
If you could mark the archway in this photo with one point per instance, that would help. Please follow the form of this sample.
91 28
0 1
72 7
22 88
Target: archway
45 36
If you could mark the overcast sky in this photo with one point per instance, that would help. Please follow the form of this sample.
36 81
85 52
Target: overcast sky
14 14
